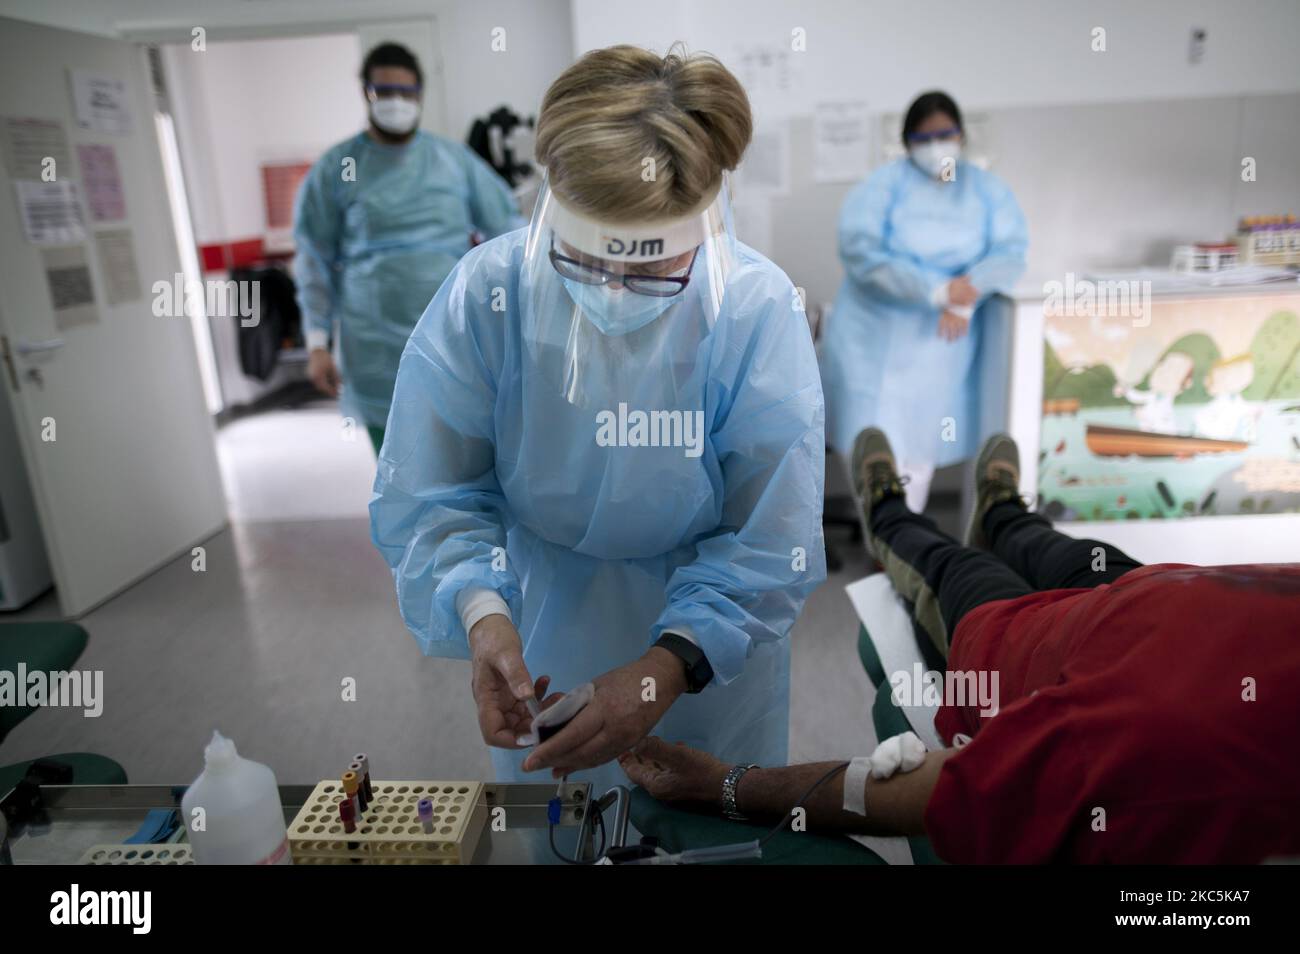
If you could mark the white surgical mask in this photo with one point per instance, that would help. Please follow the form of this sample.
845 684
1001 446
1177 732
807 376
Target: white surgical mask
933 157
395 115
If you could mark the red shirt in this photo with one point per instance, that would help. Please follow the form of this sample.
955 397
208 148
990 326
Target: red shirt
1130 698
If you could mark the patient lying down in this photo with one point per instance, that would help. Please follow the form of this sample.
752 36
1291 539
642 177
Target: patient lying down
1146 713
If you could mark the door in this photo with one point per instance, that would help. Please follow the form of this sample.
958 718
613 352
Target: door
105 394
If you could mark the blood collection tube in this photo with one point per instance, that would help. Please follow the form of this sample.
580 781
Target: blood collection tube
365 773
362 792
348 812
425 812
351 787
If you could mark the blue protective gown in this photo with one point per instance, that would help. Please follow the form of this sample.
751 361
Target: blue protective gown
608 547
901 234
376 237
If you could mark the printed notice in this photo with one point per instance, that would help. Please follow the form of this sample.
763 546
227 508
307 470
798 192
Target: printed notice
50 211
116 255
68 276
766 169
103 184
100 102
841 142
36 149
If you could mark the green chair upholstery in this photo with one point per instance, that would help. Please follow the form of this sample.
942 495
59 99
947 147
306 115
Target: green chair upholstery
87 769
47 647
678 829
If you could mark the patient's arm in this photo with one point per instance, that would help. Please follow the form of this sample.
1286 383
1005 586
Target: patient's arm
894 806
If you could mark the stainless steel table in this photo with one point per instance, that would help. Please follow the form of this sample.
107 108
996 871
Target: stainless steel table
81 816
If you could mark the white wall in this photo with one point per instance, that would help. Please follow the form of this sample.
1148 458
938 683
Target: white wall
475 77
239 104
990 53
538 46
1114 156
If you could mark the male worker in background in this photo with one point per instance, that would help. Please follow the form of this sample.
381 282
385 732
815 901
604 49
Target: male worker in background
381 219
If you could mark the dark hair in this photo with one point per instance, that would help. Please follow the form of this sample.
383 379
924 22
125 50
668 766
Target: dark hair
391 54
925 106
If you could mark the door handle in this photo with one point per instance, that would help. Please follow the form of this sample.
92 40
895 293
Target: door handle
38 347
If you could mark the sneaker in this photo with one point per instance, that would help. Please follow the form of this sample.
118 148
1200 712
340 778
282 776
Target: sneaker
875 473
997 479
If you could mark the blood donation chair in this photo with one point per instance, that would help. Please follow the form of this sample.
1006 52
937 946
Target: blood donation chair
48 647
889 646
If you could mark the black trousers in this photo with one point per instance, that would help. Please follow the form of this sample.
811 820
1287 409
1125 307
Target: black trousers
941 580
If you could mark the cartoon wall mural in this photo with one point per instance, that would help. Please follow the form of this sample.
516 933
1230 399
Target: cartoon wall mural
1195 412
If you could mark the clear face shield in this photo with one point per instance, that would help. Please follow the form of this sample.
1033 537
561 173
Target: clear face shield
616 312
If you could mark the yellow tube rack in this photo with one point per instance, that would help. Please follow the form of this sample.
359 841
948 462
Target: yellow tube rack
389 832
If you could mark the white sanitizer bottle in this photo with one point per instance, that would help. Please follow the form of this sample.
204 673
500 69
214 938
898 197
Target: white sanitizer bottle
233 812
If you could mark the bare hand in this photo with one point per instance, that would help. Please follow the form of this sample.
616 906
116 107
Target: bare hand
501 682
624 708
952 325
962 292
675 773
324 373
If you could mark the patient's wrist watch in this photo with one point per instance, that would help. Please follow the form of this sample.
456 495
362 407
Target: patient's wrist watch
698 671
729 807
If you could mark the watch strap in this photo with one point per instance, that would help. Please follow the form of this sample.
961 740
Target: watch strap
729 784
698 671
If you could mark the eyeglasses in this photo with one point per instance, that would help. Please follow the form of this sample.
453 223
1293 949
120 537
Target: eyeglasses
376 91
918 139
657 286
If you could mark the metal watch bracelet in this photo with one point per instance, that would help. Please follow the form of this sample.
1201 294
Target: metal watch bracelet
729 808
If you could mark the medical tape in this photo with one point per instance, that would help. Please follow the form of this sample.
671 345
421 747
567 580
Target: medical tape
855 785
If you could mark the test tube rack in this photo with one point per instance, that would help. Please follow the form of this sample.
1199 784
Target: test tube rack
164 854
389 832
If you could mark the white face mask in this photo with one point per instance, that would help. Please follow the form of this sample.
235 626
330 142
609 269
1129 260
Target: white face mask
934 157
395 115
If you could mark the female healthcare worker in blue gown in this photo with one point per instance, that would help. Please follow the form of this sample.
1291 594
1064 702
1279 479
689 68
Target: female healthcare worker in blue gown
604 459
925 241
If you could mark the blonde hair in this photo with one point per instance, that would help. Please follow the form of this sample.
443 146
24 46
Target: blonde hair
616 108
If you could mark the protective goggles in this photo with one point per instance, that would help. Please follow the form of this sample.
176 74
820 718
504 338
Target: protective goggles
646 281
920 139
376 91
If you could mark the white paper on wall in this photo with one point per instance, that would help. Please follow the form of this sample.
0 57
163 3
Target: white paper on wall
773 77
116 254
36 149
841 142
102 182
100 102
50 212
72 294
765 170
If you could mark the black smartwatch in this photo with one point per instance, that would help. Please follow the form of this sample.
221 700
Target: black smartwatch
698 671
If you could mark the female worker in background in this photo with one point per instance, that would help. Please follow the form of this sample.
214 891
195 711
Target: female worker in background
925 241
605 454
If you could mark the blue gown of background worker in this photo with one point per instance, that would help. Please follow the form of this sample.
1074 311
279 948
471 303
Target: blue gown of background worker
605 551
378 227
901 234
